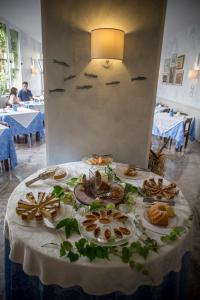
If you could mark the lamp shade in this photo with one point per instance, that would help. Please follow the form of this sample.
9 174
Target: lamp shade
107 43
193 74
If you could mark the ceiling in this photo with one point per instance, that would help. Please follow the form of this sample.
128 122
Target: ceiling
24 14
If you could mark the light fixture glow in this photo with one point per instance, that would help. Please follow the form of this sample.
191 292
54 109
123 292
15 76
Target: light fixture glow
193 74
107 43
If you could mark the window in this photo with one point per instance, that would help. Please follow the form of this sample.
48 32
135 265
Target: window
4 78
10 72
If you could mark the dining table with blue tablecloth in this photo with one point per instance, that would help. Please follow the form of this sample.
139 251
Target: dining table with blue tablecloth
7 147
35 267
23 120
172 125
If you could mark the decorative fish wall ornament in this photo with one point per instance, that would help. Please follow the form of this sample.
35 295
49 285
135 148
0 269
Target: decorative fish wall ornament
138 78
87 86
62 63
112 82
90 75
56 90
69 77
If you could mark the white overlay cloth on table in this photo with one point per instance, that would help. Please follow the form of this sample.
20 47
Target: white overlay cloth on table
2 128
39 106
98 277
24 116
164 122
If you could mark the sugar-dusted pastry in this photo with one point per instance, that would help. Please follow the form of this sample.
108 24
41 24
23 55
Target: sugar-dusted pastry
46 206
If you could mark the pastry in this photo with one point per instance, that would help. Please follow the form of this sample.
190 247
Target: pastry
91 227
118 233
99 160
59 173
159 214
107 234
97 232
124 230
159 190
130 172
46 206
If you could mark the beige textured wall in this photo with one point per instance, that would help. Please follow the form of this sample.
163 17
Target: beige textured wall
104 119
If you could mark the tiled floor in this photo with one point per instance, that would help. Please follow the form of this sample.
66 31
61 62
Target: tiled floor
184 168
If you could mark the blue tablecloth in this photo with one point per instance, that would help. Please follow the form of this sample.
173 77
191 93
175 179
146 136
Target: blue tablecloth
7 148
17 129
176 133
21 286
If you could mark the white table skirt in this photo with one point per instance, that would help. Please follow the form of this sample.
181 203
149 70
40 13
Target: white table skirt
98 277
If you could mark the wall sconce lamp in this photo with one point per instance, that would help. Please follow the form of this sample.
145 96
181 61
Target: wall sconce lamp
34 69
107 43
193 76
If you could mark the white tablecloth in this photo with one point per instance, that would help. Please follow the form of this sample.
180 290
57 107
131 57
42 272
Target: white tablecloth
24 116
36 105
99 277
164 122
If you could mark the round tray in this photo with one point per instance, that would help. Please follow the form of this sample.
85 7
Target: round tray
87 198
101 240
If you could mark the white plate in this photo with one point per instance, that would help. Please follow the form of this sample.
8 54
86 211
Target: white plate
177 220
52 181
62 212
140 175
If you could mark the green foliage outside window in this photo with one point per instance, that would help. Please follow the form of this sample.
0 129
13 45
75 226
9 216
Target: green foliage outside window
14 55
3 60
13 64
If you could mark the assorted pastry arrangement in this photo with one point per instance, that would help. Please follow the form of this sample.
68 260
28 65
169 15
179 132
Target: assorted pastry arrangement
98 185
99 160
160 214
107 225
151 188
45 206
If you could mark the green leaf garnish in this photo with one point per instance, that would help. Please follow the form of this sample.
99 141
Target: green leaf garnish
96 204
58 191
73 256
70 225
73 181
111 174
129 188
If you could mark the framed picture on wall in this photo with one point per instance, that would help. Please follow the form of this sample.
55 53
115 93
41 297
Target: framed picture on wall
172 72
180 61
167 65
165 78
173 60
179 77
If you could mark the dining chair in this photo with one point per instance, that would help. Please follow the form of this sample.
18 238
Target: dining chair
187 126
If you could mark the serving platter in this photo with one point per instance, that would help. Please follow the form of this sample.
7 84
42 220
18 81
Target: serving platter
86 197
98 160
177 220
112 227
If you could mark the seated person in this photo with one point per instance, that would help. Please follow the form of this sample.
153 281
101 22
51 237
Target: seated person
25 94
13 98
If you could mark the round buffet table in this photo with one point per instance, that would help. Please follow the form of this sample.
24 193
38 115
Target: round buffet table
35 270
